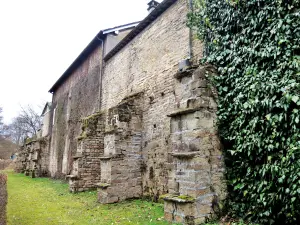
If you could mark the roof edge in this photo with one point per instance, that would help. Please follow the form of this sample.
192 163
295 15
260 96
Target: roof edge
96 41
160 9
79 60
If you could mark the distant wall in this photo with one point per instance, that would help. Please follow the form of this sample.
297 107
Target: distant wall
3 198
76 98
46 123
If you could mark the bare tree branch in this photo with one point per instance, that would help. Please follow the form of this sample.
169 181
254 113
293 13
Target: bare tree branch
26 124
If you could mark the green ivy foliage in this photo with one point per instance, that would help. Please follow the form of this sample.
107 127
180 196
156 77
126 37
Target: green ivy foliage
255 44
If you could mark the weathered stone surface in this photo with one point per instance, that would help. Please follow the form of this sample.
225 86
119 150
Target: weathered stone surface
156 130
197 151
33 158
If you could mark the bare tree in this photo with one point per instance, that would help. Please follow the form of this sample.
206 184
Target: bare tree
17 131
30 119
1 121
3 127
26 124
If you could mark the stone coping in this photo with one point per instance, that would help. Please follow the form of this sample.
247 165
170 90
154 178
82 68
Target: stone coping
183 111
77 156
102 185
184 154
105 157
72 177
178 198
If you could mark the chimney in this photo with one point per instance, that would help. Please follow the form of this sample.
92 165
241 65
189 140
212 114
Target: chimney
152 5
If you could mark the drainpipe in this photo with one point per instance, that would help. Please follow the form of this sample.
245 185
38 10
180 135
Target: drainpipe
191 8
101 73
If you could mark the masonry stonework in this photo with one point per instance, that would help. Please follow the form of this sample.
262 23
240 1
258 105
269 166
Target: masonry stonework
147 64
33 158
75 99
198 182
133 124
86 169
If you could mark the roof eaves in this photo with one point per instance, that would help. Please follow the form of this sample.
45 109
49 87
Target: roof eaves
78 61
120 28
163 6
85 53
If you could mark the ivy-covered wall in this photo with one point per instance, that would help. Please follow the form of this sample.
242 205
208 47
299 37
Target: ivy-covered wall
255 44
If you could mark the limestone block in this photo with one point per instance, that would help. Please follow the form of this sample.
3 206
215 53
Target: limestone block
202 83
204 209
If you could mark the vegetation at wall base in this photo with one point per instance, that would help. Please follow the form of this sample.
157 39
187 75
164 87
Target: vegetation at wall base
255 44
46 201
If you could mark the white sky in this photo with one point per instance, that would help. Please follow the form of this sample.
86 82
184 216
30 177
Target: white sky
39 39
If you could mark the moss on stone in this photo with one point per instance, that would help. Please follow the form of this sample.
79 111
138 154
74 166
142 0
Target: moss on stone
82 136
186 197
29 140
89 125
177 198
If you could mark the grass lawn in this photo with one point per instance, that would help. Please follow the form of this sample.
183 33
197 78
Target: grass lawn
42 201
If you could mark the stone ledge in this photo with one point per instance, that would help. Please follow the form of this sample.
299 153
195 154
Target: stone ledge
184 154
102 185
111 131
178 198
77 156
187 72
105 157
112 157
183 111
72 177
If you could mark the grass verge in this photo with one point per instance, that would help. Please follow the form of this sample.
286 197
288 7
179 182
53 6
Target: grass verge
45 201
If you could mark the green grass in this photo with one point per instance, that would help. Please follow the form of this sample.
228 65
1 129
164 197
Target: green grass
43 201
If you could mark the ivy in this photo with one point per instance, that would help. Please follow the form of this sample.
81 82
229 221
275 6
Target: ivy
255 44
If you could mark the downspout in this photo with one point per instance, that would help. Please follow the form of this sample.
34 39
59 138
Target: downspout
191 9
101 74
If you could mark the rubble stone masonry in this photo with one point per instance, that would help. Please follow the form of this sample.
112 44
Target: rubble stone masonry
152 130
33 158
147 64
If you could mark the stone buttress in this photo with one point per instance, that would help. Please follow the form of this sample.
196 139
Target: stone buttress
86 171
121 175
33 158
196 182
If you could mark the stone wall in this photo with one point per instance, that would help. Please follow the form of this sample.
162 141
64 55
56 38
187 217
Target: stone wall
3 198
147 64
196 182
75 99
46 124
121 164
33 158
152 134
86 170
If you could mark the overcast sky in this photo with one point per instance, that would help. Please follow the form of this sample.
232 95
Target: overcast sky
39 39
